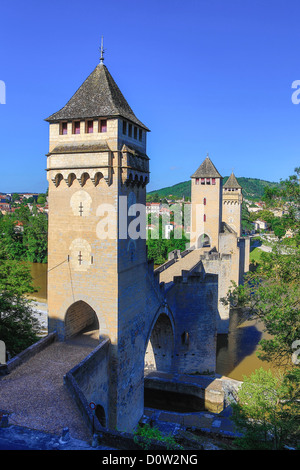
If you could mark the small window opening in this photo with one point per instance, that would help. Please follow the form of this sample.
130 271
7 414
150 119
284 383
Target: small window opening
185 338
103 125
89 127
76 127
63 128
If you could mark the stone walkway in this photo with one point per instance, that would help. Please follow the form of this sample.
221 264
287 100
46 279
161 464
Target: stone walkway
186 263
36 399
34 394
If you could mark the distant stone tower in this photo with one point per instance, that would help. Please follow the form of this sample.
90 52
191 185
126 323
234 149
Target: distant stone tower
206 210
97 154
232 204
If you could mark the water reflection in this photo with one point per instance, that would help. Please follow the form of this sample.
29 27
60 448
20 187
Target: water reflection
236 351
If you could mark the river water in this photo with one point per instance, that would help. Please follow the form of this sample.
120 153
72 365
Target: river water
236 351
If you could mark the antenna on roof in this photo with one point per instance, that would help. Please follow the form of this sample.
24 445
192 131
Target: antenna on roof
102 51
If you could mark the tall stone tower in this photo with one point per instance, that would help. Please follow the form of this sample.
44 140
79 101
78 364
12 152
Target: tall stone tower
232 204
206 210
97 168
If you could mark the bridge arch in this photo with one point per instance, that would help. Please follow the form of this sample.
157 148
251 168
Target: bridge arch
160 344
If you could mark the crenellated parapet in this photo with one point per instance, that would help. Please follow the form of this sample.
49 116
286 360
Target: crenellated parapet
215 256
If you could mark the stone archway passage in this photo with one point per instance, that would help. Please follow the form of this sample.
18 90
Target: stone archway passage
79 316
204 241
160 348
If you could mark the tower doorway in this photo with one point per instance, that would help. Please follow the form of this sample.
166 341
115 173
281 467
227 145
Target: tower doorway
80 317
204 241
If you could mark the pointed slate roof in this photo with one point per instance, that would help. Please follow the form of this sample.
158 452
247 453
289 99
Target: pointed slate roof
207 170
232 182
98 96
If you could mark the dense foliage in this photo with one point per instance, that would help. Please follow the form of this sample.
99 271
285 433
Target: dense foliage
24 234
267 410
158 247
19 328
267 406
23 238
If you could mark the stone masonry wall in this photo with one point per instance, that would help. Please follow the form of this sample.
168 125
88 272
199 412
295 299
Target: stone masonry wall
194 302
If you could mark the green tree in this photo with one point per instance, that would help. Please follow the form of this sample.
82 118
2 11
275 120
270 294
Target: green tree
41 199
15 197
266 410
158 246
19 328
29 244
22 213
246 222
271 196
10 239
35 238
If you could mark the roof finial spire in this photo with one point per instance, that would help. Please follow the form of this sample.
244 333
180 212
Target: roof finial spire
102 51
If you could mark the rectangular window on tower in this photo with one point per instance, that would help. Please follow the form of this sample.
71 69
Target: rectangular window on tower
124 127
130 130
63 128
197 181
89 127
202 181
135 132
76 127
213 181
102 125
140 135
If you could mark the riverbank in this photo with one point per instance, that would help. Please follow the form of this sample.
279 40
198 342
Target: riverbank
40 310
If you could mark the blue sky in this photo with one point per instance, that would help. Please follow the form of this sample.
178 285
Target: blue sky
206 76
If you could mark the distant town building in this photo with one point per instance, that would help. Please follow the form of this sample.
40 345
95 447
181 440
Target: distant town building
260 224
